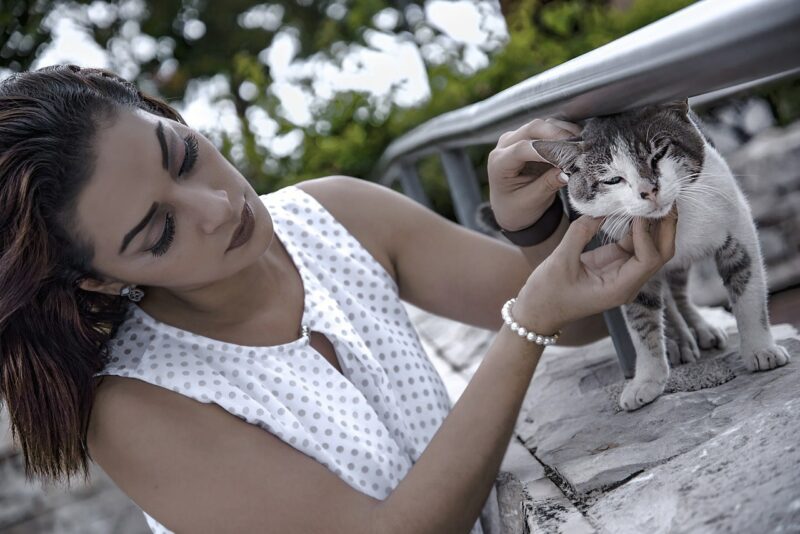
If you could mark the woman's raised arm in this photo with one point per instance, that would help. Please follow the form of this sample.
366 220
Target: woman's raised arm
438 265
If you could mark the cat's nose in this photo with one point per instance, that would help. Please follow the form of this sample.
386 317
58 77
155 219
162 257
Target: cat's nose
648 192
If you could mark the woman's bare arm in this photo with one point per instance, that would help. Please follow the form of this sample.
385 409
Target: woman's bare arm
439 266
196 468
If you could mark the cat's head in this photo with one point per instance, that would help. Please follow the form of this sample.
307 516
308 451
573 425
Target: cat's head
633 163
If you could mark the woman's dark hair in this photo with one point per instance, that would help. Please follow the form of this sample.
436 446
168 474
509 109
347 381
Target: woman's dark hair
53 335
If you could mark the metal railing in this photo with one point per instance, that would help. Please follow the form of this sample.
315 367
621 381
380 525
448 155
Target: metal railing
707 51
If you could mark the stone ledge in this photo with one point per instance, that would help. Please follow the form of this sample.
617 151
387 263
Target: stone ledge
456 344
573 427
530 502
742 480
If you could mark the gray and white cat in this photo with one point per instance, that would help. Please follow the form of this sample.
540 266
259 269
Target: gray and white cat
639 163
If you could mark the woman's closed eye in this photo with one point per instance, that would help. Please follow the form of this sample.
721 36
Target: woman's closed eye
190 154
166 237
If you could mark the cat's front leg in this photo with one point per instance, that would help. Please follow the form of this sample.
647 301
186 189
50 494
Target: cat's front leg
742 270
707 335
644 317
679 340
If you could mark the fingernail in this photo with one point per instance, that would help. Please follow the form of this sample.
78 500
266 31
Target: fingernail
563 178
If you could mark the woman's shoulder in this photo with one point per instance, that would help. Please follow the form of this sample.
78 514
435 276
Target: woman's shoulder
362 208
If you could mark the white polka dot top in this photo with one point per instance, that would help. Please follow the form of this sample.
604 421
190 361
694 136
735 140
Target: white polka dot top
369 425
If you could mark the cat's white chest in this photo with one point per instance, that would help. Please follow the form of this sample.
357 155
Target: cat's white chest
708 212
697 235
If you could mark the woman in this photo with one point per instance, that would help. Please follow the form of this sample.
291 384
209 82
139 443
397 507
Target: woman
156 316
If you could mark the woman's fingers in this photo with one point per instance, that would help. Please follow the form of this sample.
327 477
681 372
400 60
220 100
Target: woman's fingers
665 238
602 257
572 128
535 129
643 246
508 161
547 184
626 243
642 265
578 235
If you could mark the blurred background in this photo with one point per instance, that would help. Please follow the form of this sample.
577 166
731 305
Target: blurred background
300 89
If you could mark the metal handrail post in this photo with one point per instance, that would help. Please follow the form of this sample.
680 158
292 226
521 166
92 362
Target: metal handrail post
409 180
463 186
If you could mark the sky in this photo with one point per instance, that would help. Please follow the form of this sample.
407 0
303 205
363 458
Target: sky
387 62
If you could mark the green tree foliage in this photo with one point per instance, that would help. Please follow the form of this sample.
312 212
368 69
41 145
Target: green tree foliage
198 39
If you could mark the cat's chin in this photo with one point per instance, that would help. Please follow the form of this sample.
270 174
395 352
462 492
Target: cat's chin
660 212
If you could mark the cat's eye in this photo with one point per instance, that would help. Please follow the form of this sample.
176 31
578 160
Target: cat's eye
613 180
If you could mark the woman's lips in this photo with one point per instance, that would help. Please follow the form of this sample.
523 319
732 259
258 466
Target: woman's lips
245 228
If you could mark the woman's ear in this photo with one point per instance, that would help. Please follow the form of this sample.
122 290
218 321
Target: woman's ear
92 284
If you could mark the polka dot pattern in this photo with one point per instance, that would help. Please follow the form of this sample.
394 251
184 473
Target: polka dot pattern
368 425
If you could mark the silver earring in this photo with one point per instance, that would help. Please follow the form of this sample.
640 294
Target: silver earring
133 293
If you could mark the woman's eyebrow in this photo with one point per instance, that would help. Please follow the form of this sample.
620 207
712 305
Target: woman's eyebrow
163 142
136 229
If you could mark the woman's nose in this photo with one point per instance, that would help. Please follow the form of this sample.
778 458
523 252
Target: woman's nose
215 210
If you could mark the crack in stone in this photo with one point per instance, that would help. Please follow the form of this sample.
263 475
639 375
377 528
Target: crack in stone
566 489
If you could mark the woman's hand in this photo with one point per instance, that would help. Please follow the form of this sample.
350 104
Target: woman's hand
571 284
520 192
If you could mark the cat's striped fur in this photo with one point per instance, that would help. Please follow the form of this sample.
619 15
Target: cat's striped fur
639 163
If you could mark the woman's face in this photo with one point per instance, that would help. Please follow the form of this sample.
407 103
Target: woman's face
162 206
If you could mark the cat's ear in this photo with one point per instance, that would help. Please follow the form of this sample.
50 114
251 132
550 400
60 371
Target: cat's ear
680 107
561 154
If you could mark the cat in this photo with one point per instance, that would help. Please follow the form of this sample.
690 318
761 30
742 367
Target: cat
638 163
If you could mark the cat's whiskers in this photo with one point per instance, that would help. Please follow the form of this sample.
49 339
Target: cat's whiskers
709 191
622 223
617 220
686 185
714 175
608 225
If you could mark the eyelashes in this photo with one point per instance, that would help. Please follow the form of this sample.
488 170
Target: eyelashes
190 157
166 238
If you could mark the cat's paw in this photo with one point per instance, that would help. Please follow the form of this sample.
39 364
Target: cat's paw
709 336
681 348
766 358
638 393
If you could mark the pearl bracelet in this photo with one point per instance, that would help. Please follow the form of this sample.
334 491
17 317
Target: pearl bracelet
523 332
